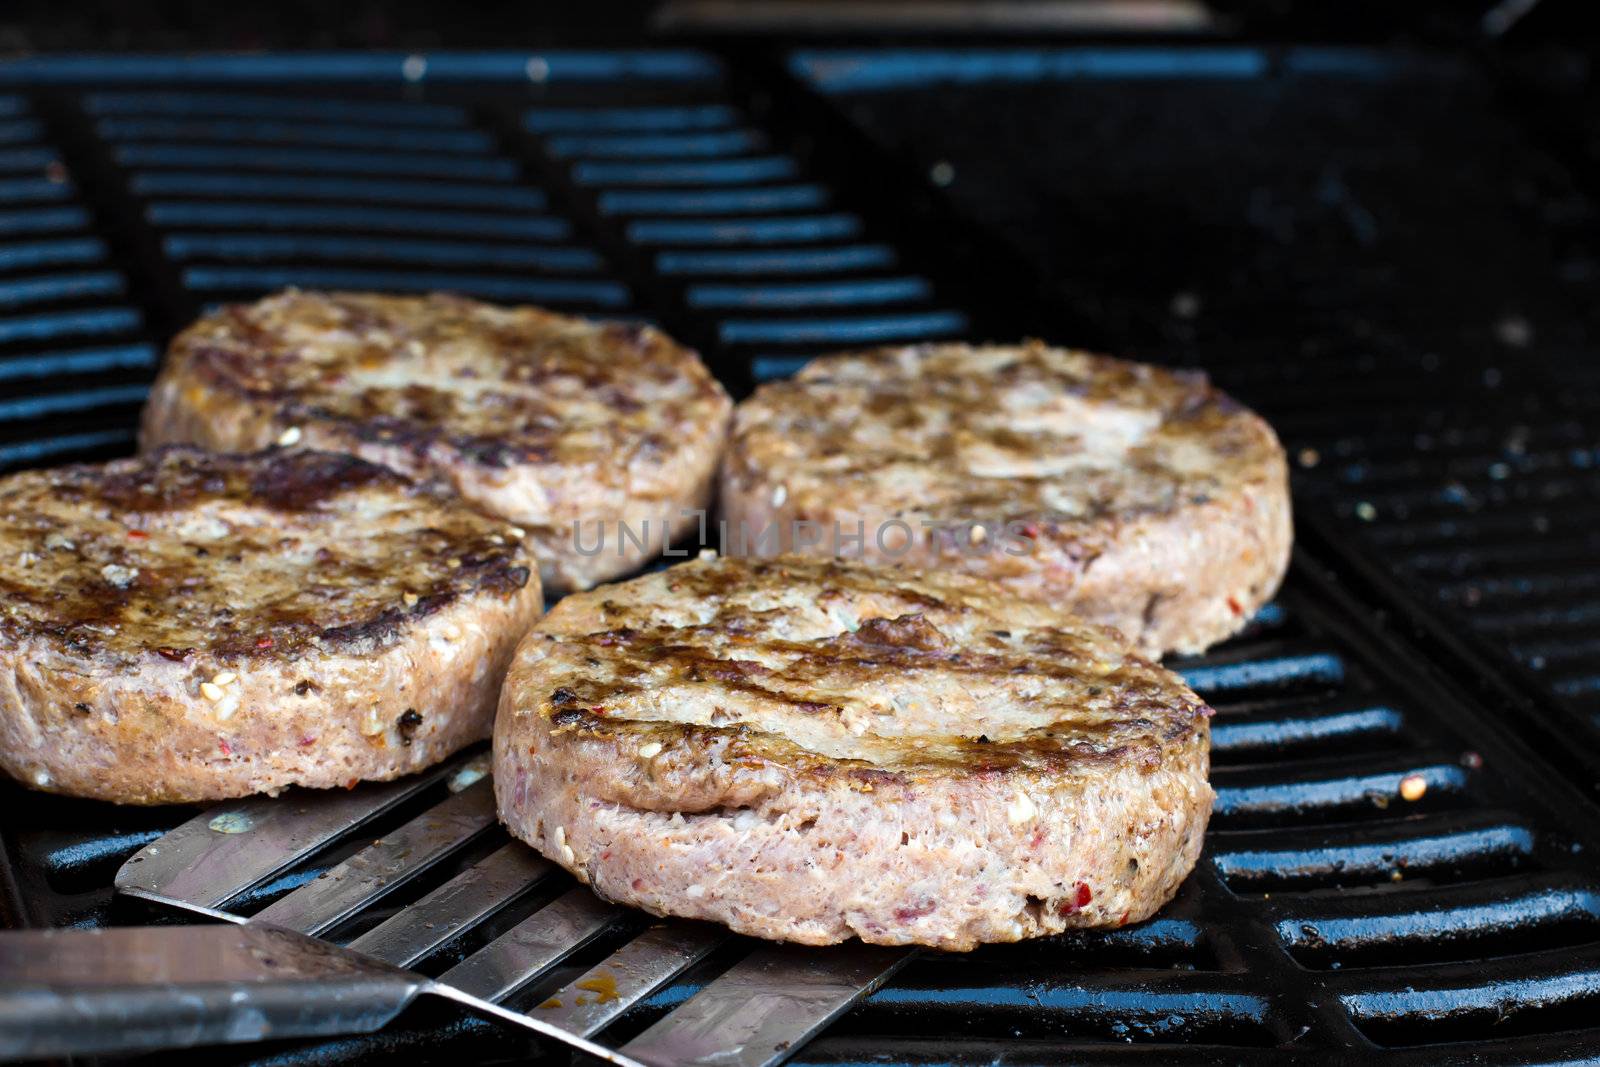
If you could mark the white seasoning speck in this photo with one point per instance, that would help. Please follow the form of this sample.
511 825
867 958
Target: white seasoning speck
118 575
289 437
41 779
695 891
978 535
225 678
211 691
650 750
518 532
408 599
1021 810
707 555
227 706
779 495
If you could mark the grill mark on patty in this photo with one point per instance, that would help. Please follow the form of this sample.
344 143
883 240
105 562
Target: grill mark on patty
495 386
832 696
237 556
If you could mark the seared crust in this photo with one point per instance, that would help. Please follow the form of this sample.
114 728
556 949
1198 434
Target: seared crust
1140 498
543 419
188 626
814 750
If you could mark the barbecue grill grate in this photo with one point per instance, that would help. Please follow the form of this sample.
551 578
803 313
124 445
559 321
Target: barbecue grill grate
1329 916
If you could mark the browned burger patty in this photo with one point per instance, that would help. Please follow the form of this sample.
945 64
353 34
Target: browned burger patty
540 418
1139 498
188 626
814 750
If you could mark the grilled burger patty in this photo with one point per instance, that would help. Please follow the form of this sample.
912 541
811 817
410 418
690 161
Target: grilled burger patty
543 419
188 626
1140 498
813 750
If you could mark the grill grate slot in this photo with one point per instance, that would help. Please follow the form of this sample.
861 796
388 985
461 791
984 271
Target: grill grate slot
1438 924
1441 849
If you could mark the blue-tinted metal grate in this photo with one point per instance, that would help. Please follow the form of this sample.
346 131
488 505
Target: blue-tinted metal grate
286 164
703 193
74 354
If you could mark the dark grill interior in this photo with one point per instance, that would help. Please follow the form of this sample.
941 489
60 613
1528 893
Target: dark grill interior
763 222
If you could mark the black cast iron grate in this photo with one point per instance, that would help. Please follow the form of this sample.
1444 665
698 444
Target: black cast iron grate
1330 916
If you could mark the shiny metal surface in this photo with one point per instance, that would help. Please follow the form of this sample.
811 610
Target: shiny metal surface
74 992
455 907
758 1011
599 996
763 1008
345 889
534 945
225 850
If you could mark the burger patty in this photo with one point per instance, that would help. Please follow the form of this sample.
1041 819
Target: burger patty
812 750
545 420
188 626
1139 498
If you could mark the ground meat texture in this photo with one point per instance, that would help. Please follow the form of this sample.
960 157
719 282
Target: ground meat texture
542 419
189 626
1144 499
817 750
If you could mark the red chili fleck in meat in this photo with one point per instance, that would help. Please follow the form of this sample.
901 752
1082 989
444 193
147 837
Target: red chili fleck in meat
1083 897
1124 920
597 711
265 642
138 535
1029 529
1234 606
175 654
307 741
638 883
222 743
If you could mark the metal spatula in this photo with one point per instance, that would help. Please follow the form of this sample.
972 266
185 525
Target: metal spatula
757 1013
